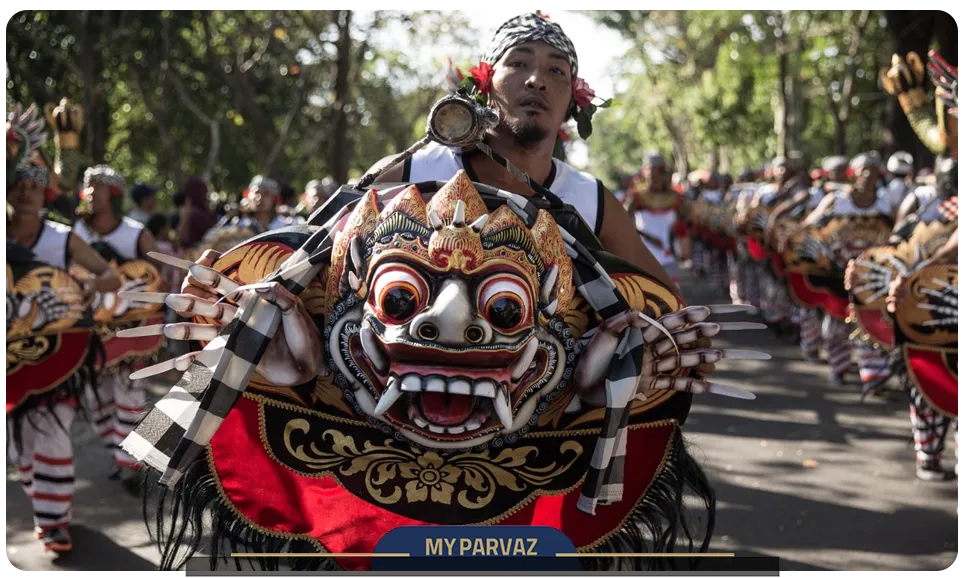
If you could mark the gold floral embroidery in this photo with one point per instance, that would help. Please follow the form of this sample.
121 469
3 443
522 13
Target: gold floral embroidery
391 472
27 351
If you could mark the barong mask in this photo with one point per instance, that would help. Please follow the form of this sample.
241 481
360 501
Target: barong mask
447 332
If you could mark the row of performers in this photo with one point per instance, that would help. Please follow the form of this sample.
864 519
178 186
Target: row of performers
873 283
63 310
865 271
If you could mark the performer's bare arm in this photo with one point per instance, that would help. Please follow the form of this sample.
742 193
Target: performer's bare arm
82 254
822 209
907 208
145 243
948 252
784 208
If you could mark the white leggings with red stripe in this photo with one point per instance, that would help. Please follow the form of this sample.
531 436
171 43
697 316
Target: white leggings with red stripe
836 334
811 333
871 361
116 409
46 463
930 428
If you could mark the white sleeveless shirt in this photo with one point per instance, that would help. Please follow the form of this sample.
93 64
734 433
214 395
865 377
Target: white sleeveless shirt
123 239
844 206
930 201
51 244
581 190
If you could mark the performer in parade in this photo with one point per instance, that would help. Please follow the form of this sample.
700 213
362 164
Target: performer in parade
814 328
469 275
863 199
714 251
654 207
263 196
317 192
118 402
932 387
788 182
44 378
529 74
900 173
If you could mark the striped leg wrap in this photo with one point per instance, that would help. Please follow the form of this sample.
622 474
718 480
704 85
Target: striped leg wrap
871 361
713 269
697 252
930 428
839 347
810 334
775 302
46 464
751 280
116 409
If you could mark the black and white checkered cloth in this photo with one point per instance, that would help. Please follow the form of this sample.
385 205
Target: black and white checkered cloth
181 425
604 481
528 28
178 428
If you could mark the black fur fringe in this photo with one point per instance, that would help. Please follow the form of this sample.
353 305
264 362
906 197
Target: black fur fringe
72 388
176 522
661 523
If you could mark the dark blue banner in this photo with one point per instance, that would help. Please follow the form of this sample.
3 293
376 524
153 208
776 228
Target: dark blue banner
479 548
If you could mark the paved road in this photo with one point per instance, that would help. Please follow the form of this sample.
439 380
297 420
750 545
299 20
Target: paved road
805 472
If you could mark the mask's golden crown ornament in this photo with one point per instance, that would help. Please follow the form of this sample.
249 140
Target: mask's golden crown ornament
454 233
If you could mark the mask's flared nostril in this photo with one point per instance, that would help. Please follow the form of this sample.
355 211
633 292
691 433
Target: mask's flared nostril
474 334
427 331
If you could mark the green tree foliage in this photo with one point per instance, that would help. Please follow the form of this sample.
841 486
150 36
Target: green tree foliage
730 89
229 94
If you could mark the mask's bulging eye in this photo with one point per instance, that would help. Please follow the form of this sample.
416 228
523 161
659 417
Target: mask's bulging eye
399 292
505 302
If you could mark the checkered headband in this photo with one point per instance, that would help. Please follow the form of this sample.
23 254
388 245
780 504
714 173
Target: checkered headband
105 175
265 184
529 28
175 432
33 173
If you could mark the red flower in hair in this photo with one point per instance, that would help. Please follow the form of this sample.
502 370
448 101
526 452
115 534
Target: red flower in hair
582 93
483 76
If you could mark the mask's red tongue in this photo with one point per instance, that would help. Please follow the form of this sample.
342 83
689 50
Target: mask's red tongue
446 409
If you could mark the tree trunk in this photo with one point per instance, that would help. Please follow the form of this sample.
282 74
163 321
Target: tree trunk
725 161
781 122
840 136
339 154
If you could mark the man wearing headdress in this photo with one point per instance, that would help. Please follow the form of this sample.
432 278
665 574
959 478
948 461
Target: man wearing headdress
261 200
862 199
530 71
39 435
802 203
935 123
654 207
119 402
317 192
788 184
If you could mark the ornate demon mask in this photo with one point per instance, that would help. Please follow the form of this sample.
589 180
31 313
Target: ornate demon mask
443 331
